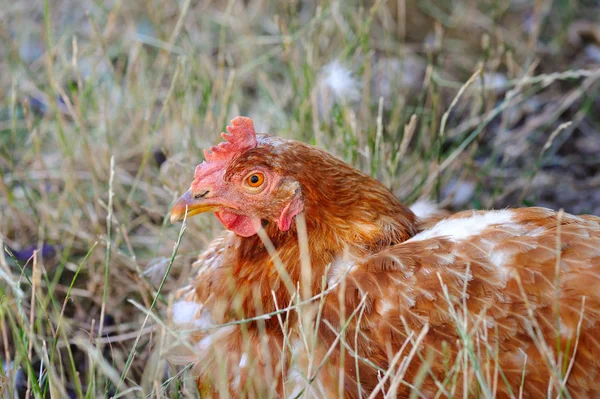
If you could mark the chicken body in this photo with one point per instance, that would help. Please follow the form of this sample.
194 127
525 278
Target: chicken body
355 298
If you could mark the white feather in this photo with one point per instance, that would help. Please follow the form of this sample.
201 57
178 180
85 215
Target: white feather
424 209
341 82
185 312
462 228
339 267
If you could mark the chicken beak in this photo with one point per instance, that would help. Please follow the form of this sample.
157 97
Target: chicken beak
193 206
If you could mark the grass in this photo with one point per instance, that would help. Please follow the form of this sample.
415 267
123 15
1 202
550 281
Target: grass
106 106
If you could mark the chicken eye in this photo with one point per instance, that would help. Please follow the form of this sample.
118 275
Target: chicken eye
255 179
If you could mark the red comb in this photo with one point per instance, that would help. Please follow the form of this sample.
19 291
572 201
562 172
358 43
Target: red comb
241 137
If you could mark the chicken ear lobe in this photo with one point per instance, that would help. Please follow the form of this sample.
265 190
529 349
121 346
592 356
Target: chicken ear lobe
294 207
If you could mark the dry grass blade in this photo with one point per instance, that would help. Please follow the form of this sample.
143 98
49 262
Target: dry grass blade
156 296
105 108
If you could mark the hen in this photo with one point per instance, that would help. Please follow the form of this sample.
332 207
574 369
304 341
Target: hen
499 303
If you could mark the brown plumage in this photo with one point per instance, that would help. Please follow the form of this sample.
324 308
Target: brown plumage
495 303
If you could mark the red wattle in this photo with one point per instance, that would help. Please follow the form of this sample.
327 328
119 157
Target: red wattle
241 225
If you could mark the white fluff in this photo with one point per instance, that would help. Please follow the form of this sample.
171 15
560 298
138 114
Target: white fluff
424 209
192 313
335 85
185 312
339 79
339 268
499 259
460 229
387 306
205 321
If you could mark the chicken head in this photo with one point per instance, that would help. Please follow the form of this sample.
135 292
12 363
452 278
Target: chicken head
242 183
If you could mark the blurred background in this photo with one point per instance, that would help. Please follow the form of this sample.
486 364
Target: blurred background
470 103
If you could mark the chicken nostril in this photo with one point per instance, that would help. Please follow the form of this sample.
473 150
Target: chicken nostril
202 194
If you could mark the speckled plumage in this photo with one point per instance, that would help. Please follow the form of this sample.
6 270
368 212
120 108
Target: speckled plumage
520 288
